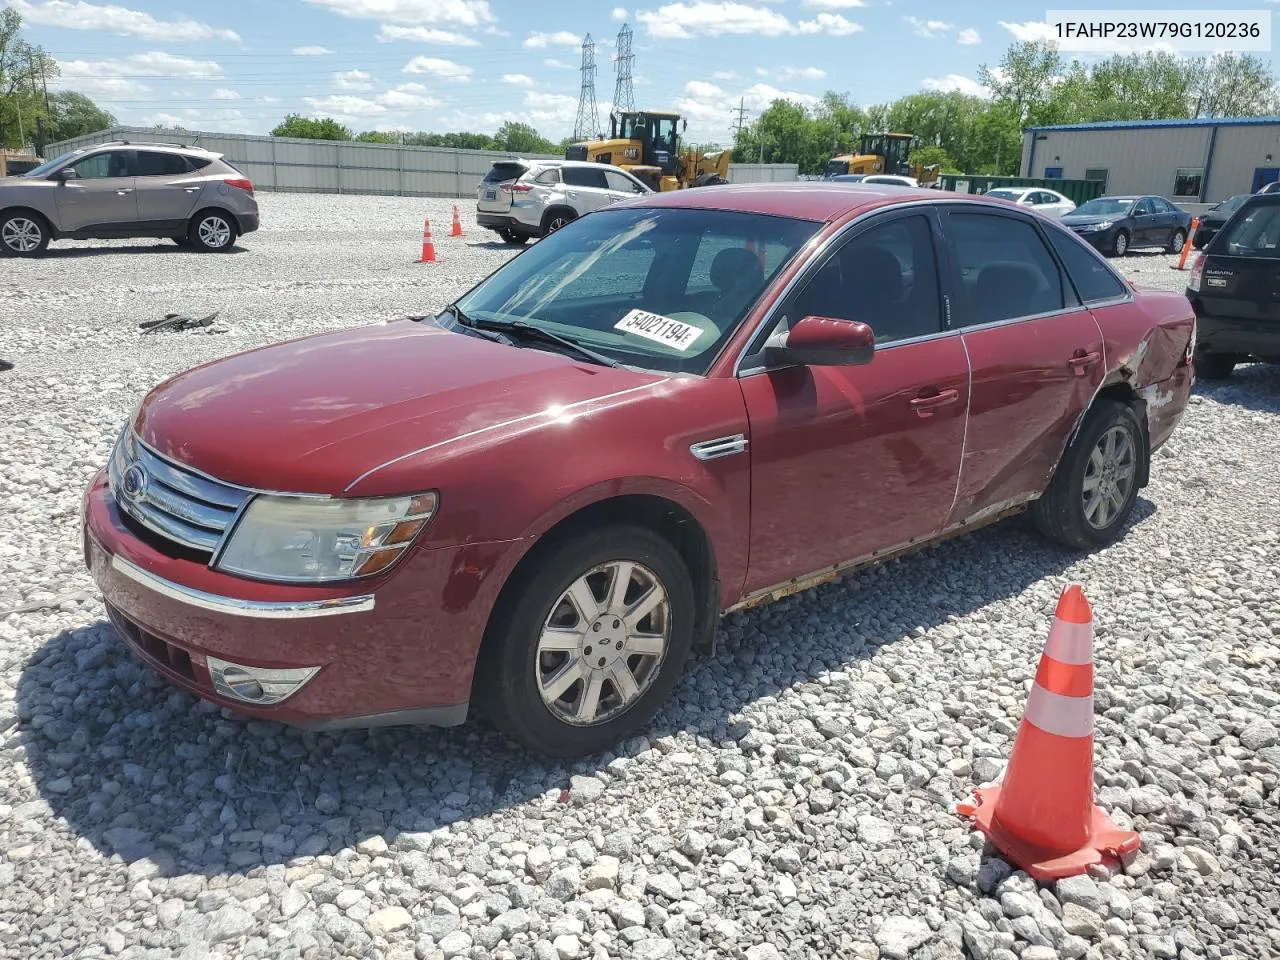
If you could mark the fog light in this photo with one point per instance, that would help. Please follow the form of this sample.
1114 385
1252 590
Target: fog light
261 686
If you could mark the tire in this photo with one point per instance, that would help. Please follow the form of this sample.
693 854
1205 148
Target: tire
212 232
1176 241
1067 512
556 219
1120 243
1214 366
23 234
512 669
510 236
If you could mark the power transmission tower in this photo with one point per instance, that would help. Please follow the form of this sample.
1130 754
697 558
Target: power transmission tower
587 124
741 118
624 91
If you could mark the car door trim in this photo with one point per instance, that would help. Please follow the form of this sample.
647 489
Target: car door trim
719 448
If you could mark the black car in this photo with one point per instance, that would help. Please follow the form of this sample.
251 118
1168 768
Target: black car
1235 290
1116 225
1211 220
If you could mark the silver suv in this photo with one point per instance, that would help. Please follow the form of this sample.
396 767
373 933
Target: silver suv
118 189
519 199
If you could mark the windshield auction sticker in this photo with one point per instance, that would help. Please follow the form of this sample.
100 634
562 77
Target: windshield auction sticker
653 326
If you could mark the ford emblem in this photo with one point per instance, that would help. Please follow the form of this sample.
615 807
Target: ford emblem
134 482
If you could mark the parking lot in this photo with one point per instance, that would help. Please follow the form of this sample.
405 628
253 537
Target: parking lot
794 799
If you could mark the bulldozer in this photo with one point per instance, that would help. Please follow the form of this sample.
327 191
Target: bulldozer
882 153
646 143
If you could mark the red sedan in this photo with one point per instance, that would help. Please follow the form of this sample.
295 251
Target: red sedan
541 500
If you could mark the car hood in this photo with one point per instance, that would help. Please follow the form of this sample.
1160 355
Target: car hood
1084 220
314 415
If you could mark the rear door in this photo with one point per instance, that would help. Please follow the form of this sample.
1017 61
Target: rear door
168 189
100 198
587 188
1241 279
1035 351
490 197
1168 219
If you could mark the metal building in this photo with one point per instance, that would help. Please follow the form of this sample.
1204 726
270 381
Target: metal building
1190 162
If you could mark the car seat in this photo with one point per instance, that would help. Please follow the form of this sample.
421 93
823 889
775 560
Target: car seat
1007 289
738 276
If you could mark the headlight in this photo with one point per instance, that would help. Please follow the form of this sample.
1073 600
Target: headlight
300 539
1104 225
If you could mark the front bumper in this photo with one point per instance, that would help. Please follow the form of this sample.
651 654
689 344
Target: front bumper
1098 239
396 650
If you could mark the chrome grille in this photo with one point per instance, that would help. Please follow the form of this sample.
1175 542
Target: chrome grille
171 500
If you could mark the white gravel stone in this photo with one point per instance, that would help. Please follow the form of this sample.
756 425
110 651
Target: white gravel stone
898 936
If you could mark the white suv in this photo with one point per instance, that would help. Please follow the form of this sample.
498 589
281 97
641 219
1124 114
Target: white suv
519 199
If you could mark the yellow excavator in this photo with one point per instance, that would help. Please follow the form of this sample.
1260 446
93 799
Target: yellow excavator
646 143
882 153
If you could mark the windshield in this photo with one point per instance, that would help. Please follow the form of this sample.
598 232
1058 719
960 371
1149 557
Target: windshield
1231 205
836 168
1014 195
48 165
656 288
1105 207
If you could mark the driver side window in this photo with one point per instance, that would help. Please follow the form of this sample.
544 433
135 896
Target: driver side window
101 166
886 277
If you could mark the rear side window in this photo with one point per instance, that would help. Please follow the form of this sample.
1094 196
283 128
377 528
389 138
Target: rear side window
502 172
1006 271
548 177
147 163
1253 233
585 177
199 163
1093 279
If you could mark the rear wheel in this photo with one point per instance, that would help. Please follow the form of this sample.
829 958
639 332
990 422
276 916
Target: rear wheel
1120 244
212 231
23 234
1214 366
1177 240
587 645
1096 484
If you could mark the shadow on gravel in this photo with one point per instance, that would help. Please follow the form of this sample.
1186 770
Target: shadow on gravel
142 770
72 253
1253 386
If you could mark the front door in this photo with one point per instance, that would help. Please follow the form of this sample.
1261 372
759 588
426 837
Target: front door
167 187
100 197
850 461
1264 175
586 187
1145 228
1036 354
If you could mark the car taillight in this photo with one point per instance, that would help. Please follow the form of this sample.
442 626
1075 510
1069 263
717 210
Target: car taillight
517 187
240 184
1197 274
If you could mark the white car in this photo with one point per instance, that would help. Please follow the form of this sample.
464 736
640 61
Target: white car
520 199
1047 202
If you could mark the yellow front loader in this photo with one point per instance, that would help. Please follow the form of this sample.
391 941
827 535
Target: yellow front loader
882 153
646 143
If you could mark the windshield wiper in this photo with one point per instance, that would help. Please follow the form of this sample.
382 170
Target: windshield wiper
465 321
538 333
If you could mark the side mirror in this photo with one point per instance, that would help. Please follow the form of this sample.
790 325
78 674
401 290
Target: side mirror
66 173
822 342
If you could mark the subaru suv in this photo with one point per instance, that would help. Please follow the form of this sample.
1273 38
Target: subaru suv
118 190
520 199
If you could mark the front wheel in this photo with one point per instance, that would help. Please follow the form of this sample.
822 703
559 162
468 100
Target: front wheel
1096 484
555 221
510 236
587 645
1120 244
213 232
23 235
1177 240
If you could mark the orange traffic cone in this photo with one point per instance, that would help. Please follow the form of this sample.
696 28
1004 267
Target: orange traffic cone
1042 815
1186 244
457 223
428 247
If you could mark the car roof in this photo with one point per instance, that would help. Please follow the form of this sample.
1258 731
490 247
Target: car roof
818 200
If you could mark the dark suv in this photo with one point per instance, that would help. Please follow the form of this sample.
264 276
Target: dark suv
118 190
1235 290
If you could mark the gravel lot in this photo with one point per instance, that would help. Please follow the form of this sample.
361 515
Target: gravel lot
794 799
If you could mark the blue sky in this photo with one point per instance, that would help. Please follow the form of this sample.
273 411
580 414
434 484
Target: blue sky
471 64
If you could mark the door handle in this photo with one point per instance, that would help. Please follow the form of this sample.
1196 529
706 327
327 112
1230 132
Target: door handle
193 189
123 193
1083 361
924 406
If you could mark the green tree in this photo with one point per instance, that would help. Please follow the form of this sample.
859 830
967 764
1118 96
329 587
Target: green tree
377 136
73 115
521 138
306 128
1025 79
23 70
1231 85
934 156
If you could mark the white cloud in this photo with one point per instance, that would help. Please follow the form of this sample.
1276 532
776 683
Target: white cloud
1032 30
162 120
549 109
444 69
835 4
555 64
710 107
121 21
312 52
620 13
463 13
222 93
407 96
517 79
712 18
803 73
561 38
268 99
390 32
726 75
345 106
928 28
353 80
104 72
829 23
955 83
969 38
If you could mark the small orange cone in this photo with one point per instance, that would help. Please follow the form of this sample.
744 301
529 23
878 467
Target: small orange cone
1186 244
457 223
1042 815
428 247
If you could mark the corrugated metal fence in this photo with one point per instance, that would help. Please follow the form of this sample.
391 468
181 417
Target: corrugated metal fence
763 172
324 166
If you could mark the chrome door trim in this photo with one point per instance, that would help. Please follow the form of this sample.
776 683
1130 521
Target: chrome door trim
719 448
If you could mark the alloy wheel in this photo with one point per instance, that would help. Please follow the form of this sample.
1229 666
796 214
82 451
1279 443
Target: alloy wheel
21 235
556 223
1109 477
214 232
602 645
1122 244
1178 241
